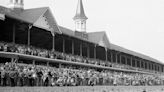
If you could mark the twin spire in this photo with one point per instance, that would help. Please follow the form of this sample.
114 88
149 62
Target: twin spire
80 18
80 14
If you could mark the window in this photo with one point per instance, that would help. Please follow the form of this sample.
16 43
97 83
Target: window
11 1
16 1
21 1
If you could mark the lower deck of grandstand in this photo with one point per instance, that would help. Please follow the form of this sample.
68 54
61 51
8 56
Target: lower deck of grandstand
20 74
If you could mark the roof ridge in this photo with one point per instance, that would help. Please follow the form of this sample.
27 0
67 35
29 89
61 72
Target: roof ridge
36 8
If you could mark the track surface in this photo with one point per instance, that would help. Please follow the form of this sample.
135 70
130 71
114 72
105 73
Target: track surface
85 89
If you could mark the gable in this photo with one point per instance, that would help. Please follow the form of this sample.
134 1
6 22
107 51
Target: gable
42 18
43 23
99 38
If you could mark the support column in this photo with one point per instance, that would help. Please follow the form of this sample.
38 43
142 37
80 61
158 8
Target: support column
63 45
116 58
14 33
53 41
88 51
95 52
106 54
140 63
153 66
111 54
144 64
120 59
72 47
29 28
147 65
160 68
135 62
81 51
131 60
126 60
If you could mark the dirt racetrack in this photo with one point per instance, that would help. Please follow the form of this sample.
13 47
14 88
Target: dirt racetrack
85 89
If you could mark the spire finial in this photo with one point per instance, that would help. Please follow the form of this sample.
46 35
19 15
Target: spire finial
80 18
80 14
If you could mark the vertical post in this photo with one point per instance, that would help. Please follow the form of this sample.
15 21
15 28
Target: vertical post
106 57
88 51
150 66
81 51
14 33
147 65
53 41
144 64
120 59
136 63
116 58
153 68
140 63
29 27
95 52
72 47
131 60
126 60
63 45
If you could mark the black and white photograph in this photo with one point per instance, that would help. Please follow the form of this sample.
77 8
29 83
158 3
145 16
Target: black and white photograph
81 45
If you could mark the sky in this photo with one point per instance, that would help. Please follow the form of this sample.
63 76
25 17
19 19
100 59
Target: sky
137 25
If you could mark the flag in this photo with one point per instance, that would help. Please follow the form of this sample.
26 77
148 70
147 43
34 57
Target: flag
2 16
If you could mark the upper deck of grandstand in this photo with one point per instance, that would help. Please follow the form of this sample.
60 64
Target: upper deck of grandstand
38 27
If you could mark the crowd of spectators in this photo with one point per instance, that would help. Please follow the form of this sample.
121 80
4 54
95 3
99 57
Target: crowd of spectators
15 74
31 50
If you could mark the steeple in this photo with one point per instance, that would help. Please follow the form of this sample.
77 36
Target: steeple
16 5
80 18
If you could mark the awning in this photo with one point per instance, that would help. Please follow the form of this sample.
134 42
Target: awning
2 16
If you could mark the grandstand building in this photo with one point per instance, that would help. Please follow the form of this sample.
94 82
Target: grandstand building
37 27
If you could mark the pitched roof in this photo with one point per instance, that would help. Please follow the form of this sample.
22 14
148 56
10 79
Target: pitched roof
80 11
31 15
98 38
10 13
66 31
121 49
